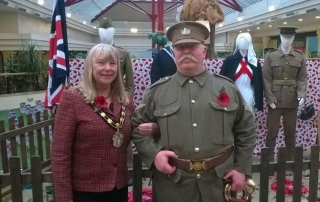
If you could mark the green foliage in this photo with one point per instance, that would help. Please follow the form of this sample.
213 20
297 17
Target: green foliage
77 55
312 54
158 38
133 56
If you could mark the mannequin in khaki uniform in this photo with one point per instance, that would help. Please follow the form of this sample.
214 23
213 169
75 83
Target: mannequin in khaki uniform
106 33
195 124
285 86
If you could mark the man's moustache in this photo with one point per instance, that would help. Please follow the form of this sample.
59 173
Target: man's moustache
188 57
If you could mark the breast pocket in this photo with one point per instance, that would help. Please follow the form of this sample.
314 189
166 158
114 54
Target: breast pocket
222 120
276 69
169 123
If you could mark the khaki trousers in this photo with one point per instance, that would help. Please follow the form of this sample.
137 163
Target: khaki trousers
289 126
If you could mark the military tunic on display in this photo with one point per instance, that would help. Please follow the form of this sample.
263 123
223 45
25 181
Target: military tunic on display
194 126
126 69
285 80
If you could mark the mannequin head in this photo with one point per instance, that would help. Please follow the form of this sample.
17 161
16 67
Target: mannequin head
243 44
106 30
286 40
287 34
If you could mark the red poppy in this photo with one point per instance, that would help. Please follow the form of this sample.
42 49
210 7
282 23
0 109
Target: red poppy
223 99
100 102
288 187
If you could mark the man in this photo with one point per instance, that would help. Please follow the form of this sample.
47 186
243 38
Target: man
285 85
200 117
163 64
106 33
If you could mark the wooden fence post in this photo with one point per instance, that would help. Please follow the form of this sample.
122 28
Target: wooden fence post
281 174
23 145
264 175
297 175
4 152
15 179
47 136
31 136
137 178
13 140
314 169
39 137
36 179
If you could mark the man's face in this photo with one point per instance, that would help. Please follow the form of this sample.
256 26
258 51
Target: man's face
189 58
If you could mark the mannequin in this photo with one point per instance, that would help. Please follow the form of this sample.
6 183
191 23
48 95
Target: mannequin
285 85
106 33
244 69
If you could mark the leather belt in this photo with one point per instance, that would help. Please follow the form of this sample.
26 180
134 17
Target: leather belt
204 164
285 82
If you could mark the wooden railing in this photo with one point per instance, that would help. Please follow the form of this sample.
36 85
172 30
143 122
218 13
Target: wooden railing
17 173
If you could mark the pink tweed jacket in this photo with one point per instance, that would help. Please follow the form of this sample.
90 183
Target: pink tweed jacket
83 157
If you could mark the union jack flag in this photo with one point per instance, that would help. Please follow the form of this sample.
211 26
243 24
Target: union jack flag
58 56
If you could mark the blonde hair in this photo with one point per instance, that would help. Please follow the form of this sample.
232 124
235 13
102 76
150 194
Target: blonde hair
87 86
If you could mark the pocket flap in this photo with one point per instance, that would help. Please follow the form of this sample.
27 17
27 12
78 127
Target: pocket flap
231 107
163 112
295 64
275 64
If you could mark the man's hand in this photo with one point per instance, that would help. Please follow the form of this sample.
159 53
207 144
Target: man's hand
273 105
238 180
148 128
161 161
301 100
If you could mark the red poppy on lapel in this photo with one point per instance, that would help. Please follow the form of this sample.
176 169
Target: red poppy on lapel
223 99
101 102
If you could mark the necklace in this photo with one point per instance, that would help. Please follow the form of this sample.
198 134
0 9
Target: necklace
117 138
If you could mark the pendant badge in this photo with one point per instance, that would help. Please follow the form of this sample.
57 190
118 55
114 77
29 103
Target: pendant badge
117 139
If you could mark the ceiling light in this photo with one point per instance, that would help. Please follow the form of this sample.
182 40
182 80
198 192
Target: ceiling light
240 18
94 27
240 31
84 22
248 30
40 2
133 30
285 23
271 8
68 15
318 17
300 20
270 25
258 27
220 25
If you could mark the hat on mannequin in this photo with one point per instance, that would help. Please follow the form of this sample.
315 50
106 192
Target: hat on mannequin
288 30
252 59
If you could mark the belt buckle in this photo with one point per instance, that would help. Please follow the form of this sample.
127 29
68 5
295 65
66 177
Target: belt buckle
197 165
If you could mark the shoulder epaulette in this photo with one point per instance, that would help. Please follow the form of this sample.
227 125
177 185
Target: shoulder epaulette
224 77
272 50
160 81
298 52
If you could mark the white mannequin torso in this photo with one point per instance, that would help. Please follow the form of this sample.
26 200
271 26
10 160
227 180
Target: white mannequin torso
107 35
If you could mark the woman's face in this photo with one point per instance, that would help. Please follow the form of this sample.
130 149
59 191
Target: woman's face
104 71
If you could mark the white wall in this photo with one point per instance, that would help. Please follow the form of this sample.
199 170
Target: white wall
12 101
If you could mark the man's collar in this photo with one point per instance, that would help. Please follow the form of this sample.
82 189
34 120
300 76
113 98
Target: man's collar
200 78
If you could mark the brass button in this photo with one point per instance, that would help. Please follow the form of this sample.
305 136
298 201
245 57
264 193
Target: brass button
285 78
198 176
167 78
190 81
284 86
194 125
192 101
225 109
165 114
286 63
196 149
169 176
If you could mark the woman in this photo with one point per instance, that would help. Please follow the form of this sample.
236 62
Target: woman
92 132
245 70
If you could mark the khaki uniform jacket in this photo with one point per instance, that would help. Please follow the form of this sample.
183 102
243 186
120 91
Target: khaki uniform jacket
126 69
194 126
285 78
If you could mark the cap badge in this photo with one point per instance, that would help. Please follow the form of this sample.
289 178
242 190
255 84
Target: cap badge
185 31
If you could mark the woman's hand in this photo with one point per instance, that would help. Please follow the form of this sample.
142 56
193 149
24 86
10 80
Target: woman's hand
148 128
